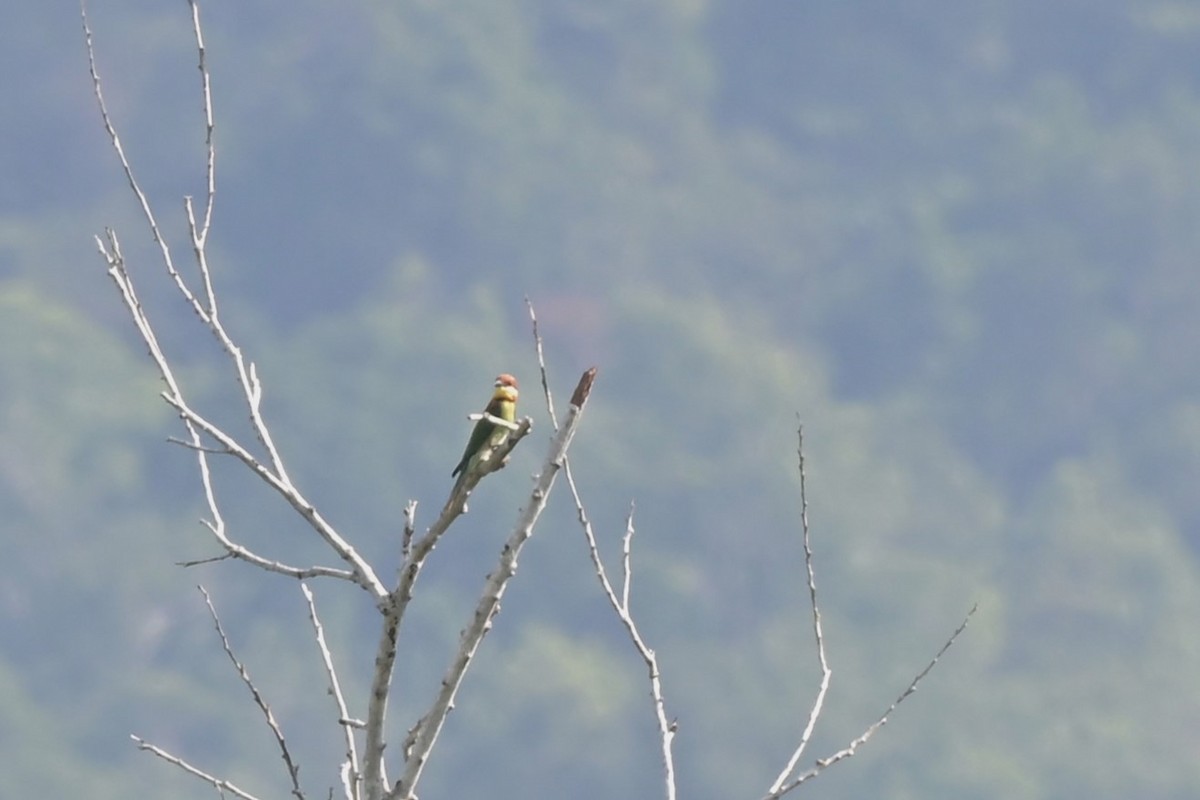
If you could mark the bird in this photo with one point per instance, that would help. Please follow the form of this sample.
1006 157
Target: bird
486 434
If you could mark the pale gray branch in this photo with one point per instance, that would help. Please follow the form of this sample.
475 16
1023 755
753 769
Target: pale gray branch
620 604
130 177
196 425
201 236
666 728
351 775
503 423
292 768
395 604
852 748
818 635
237 551
785 782
541 359
361 572
220 784
489 602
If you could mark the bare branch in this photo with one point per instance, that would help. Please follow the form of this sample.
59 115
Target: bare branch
621 606
495 459
275 475
246 373
583 389
489 603
220 784
626 560
395 604
237 551
852 748
201 236
785 783
212 451
361 572
503 423
276 731
201 561
365 777
207 438
193 423
351 775
410 525
541 359
666 728
134 186
818 635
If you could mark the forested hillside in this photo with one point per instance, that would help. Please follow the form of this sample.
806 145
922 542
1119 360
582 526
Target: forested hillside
958 240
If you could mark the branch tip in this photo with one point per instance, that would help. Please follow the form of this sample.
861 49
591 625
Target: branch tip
583 388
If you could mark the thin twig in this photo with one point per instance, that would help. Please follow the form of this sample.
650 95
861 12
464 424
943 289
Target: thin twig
276 731
220 784
826 673
503 423
785 782
667 729
621 605
236 551
541 359
212 451
351 775
201 561
198 232
209 126
134 186
852 748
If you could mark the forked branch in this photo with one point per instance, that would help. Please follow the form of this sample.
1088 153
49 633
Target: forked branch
425 735
395 604
620 604
208 439
788 779
818 705
201 431
852 748
293 769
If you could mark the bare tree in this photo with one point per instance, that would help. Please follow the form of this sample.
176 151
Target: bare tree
364 774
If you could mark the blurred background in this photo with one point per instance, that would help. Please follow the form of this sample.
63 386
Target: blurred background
956 240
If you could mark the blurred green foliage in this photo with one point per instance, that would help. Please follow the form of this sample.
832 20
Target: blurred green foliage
957 240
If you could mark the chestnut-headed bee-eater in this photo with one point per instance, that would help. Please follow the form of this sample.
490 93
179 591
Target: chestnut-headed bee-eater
487 435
